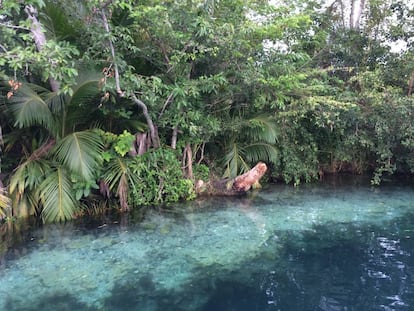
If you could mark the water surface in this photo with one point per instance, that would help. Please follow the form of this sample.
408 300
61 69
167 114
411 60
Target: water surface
331 246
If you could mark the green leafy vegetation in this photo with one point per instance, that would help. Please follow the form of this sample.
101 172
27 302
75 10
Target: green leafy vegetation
129 103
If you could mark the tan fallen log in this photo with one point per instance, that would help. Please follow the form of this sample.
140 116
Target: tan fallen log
238 185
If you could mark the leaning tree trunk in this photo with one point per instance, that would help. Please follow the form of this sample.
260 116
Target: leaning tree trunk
236 186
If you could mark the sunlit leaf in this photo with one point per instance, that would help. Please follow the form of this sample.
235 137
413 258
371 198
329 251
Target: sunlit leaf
5 201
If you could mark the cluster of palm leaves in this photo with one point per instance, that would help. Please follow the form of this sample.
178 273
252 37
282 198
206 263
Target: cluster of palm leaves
249 140
58 145
61 147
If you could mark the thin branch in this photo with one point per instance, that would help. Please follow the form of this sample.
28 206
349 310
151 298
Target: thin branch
14 26
202 153
153 132
39 38
174 137
152 129
116 70
42 150
169 99
36 27
410 84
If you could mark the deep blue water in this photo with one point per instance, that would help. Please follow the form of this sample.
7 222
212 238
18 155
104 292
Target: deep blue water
339 245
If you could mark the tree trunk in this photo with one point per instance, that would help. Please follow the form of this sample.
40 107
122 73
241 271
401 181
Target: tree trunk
351 14
153 131
359 14
112 48
188 161
236 186
39 38
410 84
174 138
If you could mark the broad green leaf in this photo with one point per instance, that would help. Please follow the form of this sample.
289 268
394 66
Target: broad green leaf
28 176
262 152
234 159
55 192
80 152
28 109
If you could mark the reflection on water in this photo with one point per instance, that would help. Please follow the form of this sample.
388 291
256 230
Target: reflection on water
336 246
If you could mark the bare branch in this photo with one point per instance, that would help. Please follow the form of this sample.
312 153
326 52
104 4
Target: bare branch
39 38
111 46
36 27
14 26
169 100
174 137
42 150
410 84
153 132
202 153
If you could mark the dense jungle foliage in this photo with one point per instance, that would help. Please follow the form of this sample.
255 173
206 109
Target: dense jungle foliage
127 103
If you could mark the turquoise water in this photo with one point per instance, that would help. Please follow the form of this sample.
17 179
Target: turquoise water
332 246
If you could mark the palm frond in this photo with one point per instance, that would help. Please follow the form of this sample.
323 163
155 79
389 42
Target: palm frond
26 204
262 152
28 176
56 102
58 23
250 140
114 172
262 128
24 184
86 88
135 125
118 169
234 161
84 101
56 195
80 152
118 176
5 202
28 108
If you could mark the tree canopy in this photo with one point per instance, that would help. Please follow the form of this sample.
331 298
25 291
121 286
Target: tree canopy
133 101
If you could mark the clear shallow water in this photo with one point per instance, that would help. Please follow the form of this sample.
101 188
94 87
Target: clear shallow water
334 246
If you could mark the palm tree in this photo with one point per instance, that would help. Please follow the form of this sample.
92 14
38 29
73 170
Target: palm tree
248 141
59 146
